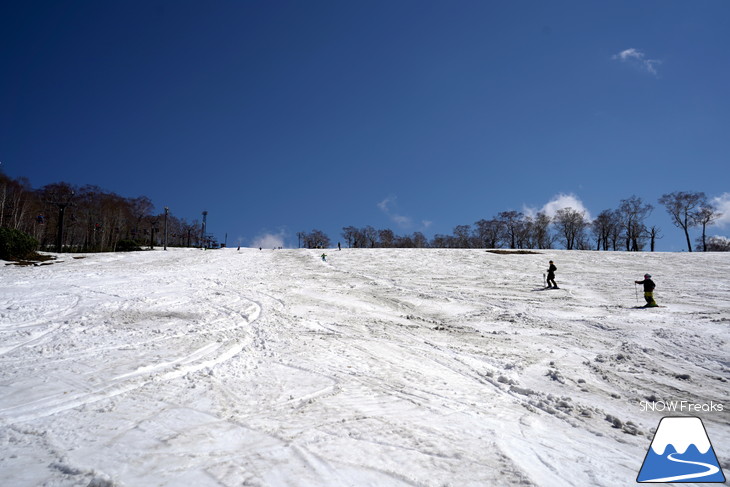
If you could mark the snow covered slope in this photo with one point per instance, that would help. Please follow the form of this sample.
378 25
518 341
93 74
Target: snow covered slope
379 367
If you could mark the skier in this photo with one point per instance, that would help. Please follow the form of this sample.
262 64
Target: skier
648 291
324 257
551 276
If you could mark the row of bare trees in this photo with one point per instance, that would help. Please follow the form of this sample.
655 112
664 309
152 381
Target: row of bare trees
370 237
64 217
61 216
622 228
316 239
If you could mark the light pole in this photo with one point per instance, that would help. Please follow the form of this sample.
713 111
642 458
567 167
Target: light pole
167 211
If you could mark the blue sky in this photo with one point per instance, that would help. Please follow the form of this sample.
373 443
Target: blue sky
278 117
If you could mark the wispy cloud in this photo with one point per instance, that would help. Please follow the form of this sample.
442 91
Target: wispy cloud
389 207
638 59
386 204
559 202
722 205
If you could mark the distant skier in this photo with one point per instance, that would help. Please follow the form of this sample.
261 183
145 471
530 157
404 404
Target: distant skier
648 291
339 247
551 276
324 257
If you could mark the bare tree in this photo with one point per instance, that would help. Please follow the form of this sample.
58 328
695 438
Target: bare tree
616 230
370 235
524 233
404 242
387 238
462 236
6 185
571 224
718 244
683 206
441 241
633 212
511 221
90 202
14 201
489 233
316 239
419 240
141 207
349 233
191 233
541 231
602 228
654 235
706 215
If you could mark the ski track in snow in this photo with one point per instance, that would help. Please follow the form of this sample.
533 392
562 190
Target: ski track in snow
378 367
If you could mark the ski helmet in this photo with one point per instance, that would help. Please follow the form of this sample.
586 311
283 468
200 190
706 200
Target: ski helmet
647 276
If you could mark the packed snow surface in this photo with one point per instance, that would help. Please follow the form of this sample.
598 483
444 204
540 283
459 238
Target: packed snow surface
380 367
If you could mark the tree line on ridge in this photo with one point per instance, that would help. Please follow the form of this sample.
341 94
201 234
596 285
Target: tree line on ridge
623 228
89 219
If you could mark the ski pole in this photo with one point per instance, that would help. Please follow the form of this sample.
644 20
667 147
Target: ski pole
637 293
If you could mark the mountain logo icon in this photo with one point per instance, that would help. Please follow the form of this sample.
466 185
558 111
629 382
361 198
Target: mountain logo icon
681 452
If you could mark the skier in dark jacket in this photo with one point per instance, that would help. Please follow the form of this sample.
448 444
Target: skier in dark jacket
551 276
648 291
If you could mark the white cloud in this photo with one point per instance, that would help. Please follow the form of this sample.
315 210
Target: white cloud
638 59
402 221
269 240
529 211
629 54
386 206
559 202
722 204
